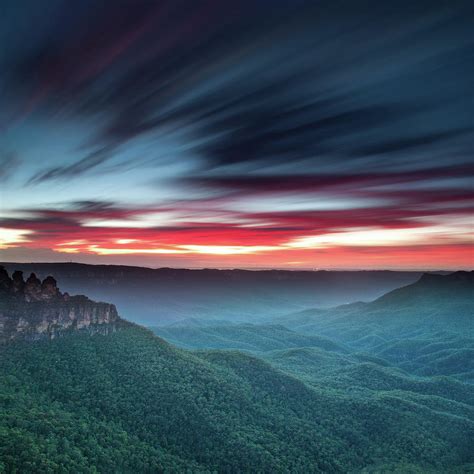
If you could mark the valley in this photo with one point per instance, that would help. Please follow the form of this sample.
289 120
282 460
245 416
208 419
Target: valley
383 386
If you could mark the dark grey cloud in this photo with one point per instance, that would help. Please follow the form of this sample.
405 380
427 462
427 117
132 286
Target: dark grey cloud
254 84
89 162
340 182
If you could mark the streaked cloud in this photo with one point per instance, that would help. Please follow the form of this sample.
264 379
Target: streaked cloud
233 133
13 237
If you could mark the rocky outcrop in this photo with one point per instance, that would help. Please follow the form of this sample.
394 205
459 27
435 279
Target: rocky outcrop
32 290
36 309
18 282
5 282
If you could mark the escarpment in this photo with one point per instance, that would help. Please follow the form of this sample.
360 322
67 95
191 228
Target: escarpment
35 309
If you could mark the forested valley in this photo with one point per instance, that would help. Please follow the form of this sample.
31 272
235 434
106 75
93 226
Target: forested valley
368 387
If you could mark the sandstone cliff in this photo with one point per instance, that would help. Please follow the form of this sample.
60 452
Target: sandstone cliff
35 309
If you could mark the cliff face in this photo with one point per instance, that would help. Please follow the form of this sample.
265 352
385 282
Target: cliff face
33 310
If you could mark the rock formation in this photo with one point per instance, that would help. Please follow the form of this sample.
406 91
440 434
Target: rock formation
18 282
5 282
36 309
32 290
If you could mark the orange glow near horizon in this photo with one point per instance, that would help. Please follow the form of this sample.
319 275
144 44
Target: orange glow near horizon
349 249
363 238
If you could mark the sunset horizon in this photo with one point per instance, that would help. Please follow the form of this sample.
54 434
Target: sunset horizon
290 267
290 137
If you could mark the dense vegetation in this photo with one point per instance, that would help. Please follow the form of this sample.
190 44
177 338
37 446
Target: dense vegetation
247 337
426 328
415 345
324 393
130 402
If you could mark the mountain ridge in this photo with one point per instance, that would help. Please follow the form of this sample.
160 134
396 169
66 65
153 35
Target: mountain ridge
460 282
160 296
426 329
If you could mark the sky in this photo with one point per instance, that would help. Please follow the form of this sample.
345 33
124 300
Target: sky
238 134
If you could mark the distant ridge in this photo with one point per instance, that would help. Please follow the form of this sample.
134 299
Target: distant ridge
159 296
436 313
432 287
456 277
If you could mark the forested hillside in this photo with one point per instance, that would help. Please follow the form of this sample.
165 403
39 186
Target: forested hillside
315 398
426 328
129 401
411 350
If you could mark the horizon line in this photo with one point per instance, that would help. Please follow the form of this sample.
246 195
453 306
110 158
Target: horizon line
256 269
